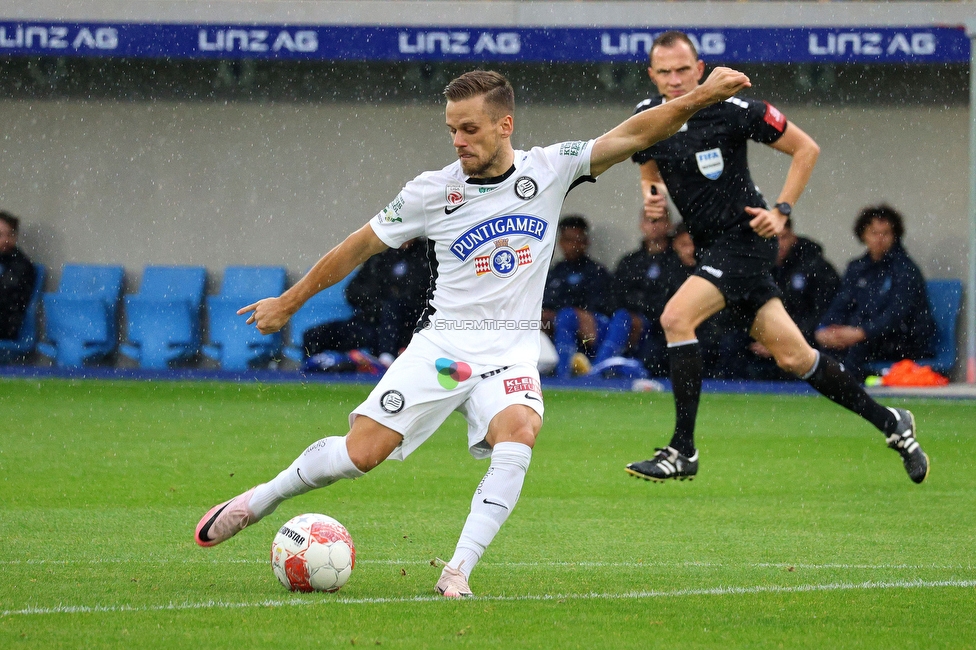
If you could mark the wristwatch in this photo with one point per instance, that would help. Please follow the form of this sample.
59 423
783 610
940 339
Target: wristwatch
784 208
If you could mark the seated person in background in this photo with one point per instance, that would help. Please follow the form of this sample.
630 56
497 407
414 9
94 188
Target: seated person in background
388 295
684 247
17 277
572 305
642 284
881 311
808 282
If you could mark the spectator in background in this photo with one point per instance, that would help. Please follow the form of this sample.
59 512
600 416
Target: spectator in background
17 277
388 295
573 303
641 285
808 283
684 247
881 311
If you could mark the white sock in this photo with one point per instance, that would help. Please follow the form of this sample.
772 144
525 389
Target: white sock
321 464
494 499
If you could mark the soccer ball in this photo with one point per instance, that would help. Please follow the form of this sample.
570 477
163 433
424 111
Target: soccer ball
313 553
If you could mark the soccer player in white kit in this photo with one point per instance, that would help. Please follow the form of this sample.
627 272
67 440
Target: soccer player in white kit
492 217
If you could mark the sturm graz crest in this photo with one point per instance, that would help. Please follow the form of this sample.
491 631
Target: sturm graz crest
392 401
525 187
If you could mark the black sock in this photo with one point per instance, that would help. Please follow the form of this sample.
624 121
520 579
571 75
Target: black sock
686 381
836 384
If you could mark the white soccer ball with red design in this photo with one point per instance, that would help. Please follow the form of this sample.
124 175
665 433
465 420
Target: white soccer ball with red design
313 553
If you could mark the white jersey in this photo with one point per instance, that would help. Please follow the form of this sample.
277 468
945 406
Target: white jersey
493 241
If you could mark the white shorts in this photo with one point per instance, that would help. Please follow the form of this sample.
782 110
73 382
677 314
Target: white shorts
423 387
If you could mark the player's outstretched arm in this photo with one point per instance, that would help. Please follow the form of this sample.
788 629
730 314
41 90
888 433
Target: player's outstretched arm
271 314
648 127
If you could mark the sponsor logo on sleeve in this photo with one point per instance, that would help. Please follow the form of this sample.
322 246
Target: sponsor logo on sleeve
571 148
391 213
774 118
522 385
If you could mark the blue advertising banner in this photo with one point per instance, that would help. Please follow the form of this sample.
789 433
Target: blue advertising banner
476 44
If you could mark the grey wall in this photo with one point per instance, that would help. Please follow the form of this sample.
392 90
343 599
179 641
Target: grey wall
219 184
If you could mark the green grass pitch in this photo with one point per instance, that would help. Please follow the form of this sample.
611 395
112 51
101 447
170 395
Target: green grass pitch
802 529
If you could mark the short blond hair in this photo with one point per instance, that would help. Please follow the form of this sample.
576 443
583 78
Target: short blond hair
497 91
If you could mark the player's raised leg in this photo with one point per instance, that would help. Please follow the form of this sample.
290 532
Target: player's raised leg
776 330
694 302
324 462
511 434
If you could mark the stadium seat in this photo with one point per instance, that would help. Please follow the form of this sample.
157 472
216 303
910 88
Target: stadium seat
81 317
164 317
324 307
945 297
233 344
25 343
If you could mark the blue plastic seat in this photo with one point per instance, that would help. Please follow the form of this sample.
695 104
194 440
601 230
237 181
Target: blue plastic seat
326 306
25 343
945 298
81 317
164 317
233 344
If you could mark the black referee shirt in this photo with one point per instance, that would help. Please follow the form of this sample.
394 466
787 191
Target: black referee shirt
704 165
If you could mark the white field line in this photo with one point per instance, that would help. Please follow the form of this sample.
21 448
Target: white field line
553 564
632 595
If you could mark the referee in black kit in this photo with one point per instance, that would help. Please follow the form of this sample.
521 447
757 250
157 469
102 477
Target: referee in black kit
705 171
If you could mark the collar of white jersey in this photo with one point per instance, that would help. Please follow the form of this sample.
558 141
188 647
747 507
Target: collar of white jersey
494 180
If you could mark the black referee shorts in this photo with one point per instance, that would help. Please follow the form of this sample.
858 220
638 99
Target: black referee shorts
739 264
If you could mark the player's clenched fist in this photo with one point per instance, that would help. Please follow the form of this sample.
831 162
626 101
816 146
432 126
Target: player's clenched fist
723 83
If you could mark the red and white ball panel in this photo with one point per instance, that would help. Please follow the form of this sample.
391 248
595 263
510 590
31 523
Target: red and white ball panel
313 552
